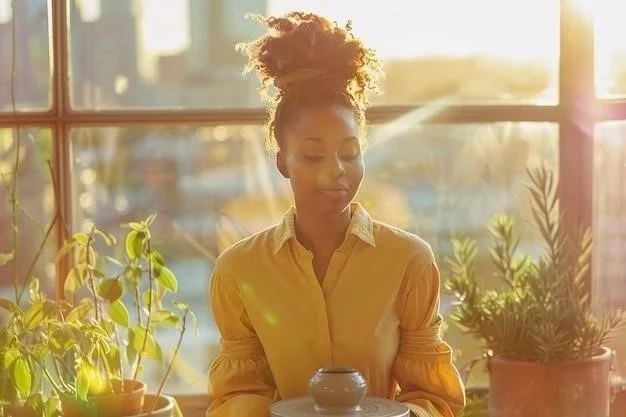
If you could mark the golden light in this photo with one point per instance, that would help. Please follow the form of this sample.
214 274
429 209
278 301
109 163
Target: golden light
512 29
165 26
6 12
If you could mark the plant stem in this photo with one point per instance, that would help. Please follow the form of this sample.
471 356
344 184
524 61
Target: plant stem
142 352
92 283
16 167
174 356
119 349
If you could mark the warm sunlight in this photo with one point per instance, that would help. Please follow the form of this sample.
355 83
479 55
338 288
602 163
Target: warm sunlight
608 17
5 11
446 27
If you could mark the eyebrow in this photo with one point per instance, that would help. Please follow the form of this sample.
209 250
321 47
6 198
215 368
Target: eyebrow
318 139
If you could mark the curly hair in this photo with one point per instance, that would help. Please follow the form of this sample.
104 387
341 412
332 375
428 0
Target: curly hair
311 62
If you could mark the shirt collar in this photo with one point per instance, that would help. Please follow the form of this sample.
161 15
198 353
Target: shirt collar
361 226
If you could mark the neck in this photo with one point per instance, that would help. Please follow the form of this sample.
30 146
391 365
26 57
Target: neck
321 233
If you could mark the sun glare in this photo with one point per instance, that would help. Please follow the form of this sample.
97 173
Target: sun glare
519 30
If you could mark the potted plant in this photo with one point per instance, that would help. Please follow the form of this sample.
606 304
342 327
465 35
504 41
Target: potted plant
546 346
71 356
121 311
24 376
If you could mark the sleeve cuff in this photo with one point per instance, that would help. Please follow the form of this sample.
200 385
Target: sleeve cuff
417 411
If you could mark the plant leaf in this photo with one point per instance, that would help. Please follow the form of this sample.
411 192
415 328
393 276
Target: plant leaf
165 318
20 371
134 244
9 306
167 279
110 289
82 381
80 311
118 313
33 316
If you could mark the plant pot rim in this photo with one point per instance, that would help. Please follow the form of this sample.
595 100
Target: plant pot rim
136 386
604 354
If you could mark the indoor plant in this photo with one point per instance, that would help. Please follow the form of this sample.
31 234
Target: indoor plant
58 356
546 347
124 307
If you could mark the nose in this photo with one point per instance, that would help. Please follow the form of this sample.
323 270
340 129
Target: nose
336 167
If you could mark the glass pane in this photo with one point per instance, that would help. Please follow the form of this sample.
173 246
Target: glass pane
214 185
180 53
34 208
27 56
610 48
609 220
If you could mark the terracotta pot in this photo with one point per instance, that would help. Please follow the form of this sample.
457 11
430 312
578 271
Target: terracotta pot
19 411
618 403
164 407
572 389
337 388
123 402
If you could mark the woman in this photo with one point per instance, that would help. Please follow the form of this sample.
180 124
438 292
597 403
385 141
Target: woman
328 286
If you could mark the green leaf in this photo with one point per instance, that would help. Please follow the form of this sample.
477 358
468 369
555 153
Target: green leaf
82 381
118 313
165 318
51 407
149 220
75 279
137 334
131 353
9 306
80 311
167 279
5 258
111 354
33 316
110 289
134 244
135 226
9 357
81 238
157 258
151 349
22 379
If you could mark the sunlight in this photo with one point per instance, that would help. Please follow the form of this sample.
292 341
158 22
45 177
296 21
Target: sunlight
446 27
90 10
6 14
610 42
165 26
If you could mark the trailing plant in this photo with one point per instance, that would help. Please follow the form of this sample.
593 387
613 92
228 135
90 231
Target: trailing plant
543 312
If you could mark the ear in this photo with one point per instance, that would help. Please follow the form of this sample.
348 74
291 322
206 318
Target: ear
281 165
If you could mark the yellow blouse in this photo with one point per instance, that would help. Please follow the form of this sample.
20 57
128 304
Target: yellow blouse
377 310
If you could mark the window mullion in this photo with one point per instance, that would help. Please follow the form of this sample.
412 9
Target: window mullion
577 119
61 150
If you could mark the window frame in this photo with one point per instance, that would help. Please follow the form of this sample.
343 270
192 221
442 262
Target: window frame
576 123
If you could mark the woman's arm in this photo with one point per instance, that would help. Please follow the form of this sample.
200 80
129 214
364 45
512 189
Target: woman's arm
240 378
430 384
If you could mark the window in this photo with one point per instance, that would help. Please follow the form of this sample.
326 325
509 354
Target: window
155 116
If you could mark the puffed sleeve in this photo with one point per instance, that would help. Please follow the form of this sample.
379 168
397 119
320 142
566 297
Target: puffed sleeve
429 383
240 377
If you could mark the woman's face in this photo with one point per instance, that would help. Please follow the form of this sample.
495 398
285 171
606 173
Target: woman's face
321 157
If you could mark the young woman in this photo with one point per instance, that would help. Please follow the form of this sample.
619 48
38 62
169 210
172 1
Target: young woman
328 286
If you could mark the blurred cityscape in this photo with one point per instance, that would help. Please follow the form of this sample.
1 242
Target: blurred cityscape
213 185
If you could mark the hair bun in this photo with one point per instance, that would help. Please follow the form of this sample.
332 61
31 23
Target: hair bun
299 48
305 75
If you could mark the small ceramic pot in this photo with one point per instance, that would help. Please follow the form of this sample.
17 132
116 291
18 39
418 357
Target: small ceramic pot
337 389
